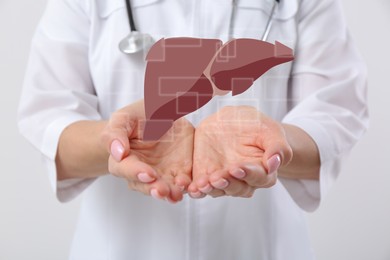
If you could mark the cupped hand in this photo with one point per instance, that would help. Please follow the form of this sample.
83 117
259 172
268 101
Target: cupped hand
236 151
160 168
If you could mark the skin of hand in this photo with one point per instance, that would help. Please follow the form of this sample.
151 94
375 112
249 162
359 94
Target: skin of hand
160 168
236 151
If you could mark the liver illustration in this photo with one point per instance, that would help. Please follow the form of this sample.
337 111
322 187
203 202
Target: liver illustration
183 74
174 81
240 62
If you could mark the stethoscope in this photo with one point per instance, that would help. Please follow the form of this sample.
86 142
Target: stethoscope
137 41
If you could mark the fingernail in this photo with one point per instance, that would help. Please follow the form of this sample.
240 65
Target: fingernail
239 173
220 184
117 150
273 163
206 189
144 177
154 193
196 195
182 188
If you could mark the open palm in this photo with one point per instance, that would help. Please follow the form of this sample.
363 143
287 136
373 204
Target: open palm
159 168
231 152
168 159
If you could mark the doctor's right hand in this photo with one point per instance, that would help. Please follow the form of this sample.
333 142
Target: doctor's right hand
161 168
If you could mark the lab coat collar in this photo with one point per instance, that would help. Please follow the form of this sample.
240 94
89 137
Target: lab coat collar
105 8
286 10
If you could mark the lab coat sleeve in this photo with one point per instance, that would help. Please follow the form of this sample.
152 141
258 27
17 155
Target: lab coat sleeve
328 95
58 89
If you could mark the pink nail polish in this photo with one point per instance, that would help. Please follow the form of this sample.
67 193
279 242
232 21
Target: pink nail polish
154 193
239 173
196 195
117 150
144 177
206 189
273 163
221 184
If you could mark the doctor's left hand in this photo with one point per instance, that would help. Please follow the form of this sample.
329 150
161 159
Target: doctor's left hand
236 151
161 168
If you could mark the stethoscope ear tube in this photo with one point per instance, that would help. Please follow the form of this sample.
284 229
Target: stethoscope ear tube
269 22
130 16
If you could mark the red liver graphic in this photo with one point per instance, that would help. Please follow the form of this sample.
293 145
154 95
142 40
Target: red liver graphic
183 74
241 61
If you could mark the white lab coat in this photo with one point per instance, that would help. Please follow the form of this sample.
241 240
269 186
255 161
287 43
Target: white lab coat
76 72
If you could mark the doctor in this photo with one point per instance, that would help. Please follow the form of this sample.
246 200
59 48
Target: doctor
80 108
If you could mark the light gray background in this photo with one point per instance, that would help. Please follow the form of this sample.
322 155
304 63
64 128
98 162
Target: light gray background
353 223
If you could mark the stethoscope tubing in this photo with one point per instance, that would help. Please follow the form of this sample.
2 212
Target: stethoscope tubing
267 27
130 16
133 28
269 22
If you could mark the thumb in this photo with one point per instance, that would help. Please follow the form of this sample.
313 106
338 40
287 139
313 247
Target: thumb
273 163
123 125
115 136
117 150
272 139
276 154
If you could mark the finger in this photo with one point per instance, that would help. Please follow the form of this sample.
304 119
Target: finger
175 195
215 193
250 193
273 163
193 188
116 135
200 187
158 189
256 176
230 185
182 181
197 195
275 157
122 126
253 174
218 183
118 150
201 172
194 192
177 185
132 169
273 141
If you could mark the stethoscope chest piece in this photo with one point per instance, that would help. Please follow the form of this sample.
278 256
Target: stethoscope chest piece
135 42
